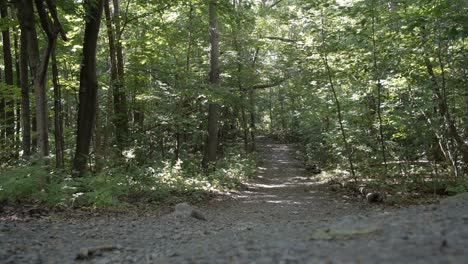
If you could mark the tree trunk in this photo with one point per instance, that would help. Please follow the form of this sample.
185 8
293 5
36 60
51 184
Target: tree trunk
25 107
88 87
270 109
379 91
17 100
37 63
252 106
8 62
98 164
211 148
340 119
449 123
245 128
120 99
348 150
58 117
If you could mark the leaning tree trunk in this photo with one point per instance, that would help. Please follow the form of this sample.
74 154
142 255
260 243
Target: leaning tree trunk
211 148
88 102
444 112
344 136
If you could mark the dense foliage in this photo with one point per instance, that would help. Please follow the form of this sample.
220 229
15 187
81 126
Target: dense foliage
374 89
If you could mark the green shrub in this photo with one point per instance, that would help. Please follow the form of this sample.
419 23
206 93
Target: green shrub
127 183
459 186
24 184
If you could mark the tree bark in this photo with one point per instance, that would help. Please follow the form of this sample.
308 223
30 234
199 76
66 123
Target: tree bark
348 150
88 87
211 147
17 101
38 64
25 107
8 61
120 98
379 91
449 123
245 128
252 106
58 116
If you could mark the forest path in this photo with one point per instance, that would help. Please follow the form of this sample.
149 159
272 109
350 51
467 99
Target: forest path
281 217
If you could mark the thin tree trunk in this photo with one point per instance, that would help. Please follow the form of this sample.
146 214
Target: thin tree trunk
120 98
252 119
245 128
337 104
58 116
211 148
17 100
340 119
449 123
88 102
189 40
379 91
270 109
8 62
39 64
252 106
25 107
117 79
97 142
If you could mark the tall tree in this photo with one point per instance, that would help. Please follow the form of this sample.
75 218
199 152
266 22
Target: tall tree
88 102
349 152
8 60
211 146
25 107
58 116
118 82
51 26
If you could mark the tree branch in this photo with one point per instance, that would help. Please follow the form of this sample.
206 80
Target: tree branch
57 24
280 39
275 3
129 20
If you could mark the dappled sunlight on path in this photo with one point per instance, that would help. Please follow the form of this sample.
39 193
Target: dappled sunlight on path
283 215
284 187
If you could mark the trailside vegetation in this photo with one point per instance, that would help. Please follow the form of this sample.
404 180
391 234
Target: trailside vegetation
104 102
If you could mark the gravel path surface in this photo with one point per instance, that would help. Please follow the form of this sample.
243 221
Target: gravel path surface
282 217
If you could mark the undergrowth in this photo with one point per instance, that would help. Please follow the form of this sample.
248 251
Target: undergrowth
125 183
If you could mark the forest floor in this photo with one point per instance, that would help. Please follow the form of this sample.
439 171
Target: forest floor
282 216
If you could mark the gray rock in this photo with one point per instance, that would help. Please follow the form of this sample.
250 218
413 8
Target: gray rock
186 210
458 200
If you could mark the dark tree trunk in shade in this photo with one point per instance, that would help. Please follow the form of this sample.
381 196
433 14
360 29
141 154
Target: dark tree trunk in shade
118 83
211 147
38 64
25 107
88 87
8 64
58 117
17 100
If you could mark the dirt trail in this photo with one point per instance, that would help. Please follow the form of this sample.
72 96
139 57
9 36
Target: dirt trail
282 217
